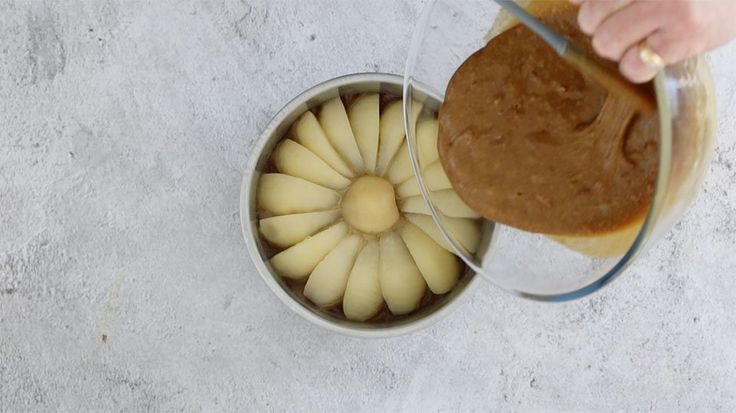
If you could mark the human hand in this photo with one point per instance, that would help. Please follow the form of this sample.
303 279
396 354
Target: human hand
673 29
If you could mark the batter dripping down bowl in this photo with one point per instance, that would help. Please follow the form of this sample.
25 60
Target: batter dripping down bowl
549 266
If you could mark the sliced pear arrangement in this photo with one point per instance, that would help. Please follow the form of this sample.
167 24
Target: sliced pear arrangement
408 189
281 194
451 205
298 261
364 116
465 231
344 210
286 230
334 121
439 267
391 132
309 133
401 282
327 283
447 201
400 169
414 205
293 159
435 177
427 133
363 298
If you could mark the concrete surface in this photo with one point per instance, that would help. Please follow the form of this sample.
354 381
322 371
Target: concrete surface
124 129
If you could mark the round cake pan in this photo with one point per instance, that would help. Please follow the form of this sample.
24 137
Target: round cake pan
261 151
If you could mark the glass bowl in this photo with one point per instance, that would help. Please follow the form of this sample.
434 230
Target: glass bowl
538 266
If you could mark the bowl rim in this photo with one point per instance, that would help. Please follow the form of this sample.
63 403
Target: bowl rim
247 219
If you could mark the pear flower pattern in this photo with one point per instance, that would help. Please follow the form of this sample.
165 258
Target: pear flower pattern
345 214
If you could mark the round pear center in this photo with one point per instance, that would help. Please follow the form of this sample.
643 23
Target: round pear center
369 205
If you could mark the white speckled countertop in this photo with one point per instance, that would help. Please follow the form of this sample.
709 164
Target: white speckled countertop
124 130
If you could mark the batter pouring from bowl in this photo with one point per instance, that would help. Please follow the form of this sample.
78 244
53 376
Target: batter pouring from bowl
529 142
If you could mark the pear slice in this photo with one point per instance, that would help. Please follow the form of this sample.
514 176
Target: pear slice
401 282
282 194
446 201
309 133
427 131
440 268
435 177
391 132
293 159
363 298
336 125
299 261
465 231
400 169
408 188
364 116
414 205
426 224
326 285
450 204
286 230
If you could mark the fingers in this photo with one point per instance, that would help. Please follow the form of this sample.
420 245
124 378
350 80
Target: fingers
671 30
667 50
633 67
593 13
626 28
619 28
674 48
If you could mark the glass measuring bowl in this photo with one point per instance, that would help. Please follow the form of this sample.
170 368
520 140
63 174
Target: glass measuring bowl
538 266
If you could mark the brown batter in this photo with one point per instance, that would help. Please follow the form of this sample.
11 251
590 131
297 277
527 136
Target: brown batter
529 142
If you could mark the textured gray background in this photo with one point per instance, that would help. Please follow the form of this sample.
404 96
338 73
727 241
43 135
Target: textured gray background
124 130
